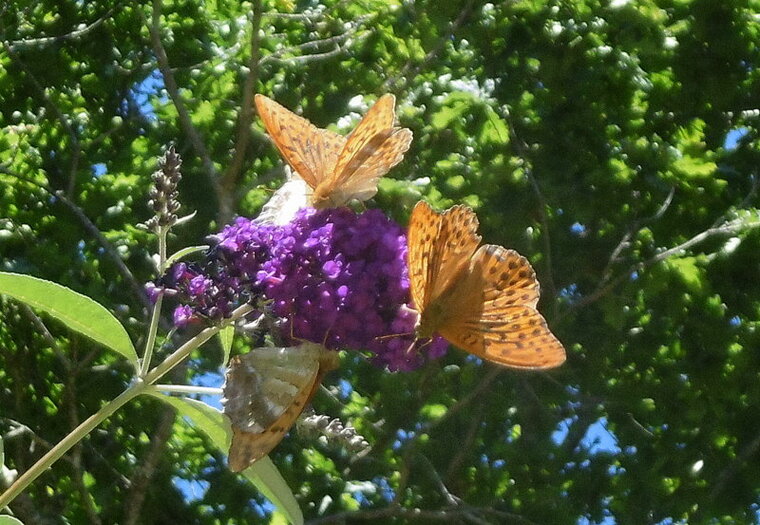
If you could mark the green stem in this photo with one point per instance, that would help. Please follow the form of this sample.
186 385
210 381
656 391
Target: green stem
188 389
130 393
153 329
76 435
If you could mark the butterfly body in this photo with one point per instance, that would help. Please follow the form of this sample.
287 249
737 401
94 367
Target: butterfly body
264 393
482 300
338 169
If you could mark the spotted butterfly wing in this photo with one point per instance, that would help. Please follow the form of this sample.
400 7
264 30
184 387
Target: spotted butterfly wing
485 302
432 269
490 312
371 149
312 152
264 393
338 169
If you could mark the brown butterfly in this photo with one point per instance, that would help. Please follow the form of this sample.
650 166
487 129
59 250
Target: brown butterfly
482 301
265 391
336 168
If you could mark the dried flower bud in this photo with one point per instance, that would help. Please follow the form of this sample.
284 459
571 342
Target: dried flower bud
163 195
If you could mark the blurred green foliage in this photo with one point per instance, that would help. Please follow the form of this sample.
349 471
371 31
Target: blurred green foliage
614 143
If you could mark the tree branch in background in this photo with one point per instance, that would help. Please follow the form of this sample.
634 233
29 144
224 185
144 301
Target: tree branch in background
634 228
450 498
448 515
70 398
144 473
409 71
464 448
93 230
231 176
336 41
21 45
154 28
730 470
522 150
75 144
727 228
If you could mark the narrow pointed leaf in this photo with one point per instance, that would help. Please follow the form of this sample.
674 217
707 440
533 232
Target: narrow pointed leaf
263 474
226 335
77 311
184 252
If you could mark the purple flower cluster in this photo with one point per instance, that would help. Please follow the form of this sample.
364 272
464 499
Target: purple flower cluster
333 276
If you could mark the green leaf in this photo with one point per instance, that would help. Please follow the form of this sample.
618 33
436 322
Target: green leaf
689 272
226 335
77 311
434 411
183 253
10 520
495 130
208 419
263 474
694 167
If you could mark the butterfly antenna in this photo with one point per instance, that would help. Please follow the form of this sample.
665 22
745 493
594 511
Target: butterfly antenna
388 336
327 332
293 336
410 349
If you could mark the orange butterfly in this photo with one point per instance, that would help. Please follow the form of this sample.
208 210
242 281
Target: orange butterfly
336 168
482 301
265 391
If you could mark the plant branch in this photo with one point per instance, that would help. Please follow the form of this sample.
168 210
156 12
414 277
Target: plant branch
136 496
727 228
134 390
76 145
189 389
150 342
67 442
93 230
233 171
21 45
154 28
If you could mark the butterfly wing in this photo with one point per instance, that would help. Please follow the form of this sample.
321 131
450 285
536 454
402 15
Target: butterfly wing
439 249
361 183
264 393
310 151
372 148
491 312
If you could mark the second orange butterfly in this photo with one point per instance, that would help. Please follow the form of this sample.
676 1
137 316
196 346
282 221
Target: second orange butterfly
482 301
